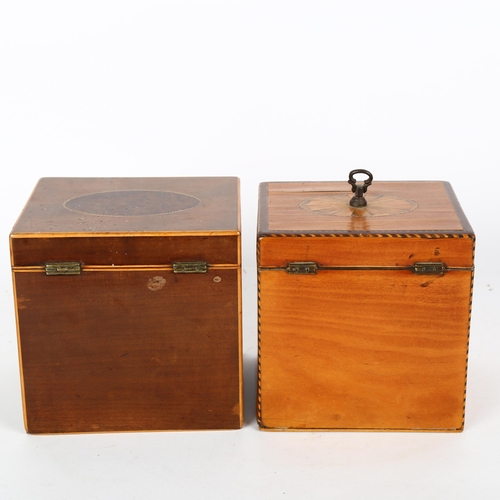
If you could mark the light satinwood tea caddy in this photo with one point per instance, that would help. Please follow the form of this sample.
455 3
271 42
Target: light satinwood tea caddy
364 305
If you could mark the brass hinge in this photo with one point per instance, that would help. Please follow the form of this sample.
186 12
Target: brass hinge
302 268
429 268
190 267
63 268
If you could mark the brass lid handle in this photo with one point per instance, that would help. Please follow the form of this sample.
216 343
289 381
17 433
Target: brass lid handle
359 188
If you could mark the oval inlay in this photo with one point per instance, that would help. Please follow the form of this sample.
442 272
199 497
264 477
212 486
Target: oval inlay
132 203
338 206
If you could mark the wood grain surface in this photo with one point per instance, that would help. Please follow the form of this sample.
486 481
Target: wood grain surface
433 208
363 350
130 350
366 251
96 208
123 250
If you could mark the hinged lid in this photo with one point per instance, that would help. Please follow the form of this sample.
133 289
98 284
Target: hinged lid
129 221
402 223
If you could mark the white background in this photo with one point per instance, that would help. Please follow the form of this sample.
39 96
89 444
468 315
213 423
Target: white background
264 90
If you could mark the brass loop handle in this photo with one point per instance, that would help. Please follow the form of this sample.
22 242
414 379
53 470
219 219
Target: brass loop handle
358 188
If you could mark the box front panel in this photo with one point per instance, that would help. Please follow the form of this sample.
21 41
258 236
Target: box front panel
366 350
113 350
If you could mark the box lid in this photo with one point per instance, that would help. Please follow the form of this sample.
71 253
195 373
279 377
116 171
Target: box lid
129 221
399 225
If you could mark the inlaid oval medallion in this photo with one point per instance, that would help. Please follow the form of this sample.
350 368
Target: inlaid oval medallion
132 203
338 206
